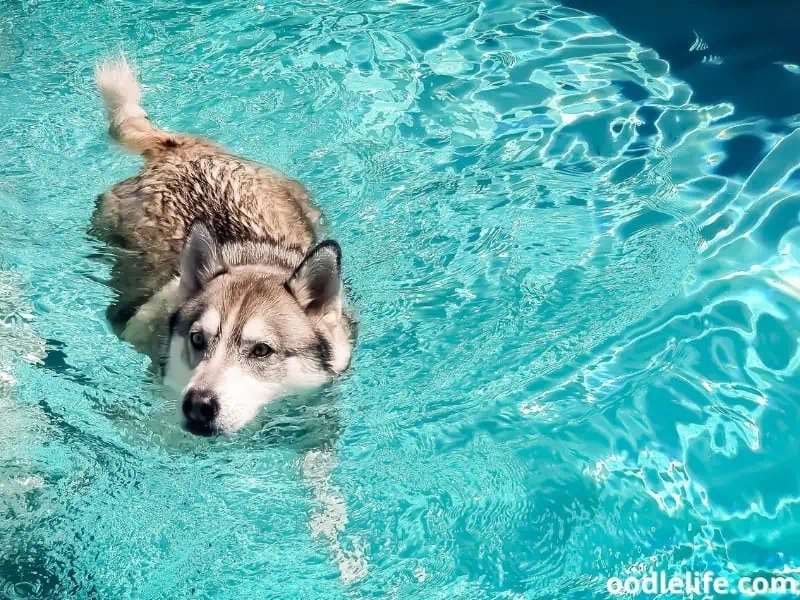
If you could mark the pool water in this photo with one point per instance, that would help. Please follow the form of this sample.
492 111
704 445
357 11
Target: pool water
578 294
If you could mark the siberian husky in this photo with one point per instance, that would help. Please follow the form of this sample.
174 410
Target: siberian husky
219 273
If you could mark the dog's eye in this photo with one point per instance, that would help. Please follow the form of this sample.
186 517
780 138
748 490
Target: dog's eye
261 350
197 340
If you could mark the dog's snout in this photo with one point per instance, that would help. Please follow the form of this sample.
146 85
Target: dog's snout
200 407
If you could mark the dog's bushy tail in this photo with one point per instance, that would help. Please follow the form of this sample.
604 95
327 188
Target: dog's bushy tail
127 120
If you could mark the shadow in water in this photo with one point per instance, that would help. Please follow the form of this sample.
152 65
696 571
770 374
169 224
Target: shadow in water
744 52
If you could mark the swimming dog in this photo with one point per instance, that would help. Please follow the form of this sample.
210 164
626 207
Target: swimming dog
219 274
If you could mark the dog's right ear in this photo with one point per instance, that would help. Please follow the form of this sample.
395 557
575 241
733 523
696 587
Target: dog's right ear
200 260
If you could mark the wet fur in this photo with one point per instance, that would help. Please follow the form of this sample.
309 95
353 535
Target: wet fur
185 180
259 225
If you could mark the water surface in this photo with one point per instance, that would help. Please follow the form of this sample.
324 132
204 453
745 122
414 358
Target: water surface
577 288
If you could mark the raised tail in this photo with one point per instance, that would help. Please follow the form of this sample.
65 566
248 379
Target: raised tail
127 120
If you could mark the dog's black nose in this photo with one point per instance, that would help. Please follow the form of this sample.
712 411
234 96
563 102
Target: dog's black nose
200 407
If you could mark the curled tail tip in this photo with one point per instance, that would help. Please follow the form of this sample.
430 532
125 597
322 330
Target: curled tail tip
116 80
128 123
115 74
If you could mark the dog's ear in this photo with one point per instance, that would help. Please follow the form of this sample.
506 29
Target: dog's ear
200 260
316 284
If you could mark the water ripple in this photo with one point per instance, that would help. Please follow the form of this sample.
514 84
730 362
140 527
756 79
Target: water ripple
578 294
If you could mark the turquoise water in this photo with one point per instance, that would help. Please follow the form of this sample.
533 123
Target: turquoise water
578 342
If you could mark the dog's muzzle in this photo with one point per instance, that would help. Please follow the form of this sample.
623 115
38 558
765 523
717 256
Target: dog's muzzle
200 409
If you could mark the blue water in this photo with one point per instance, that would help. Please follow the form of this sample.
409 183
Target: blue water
578 293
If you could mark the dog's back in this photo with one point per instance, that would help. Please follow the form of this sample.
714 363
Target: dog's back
185 180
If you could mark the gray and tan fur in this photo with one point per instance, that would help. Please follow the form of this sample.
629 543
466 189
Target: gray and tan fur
218 272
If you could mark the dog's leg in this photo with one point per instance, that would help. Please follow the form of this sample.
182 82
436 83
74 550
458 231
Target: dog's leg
330 518
142 329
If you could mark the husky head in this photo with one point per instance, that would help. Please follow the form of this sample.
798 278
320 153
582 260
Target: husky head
250 328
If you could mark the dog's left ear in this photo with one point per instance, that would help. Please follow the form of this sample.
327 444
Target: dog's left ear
200 260
316 284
